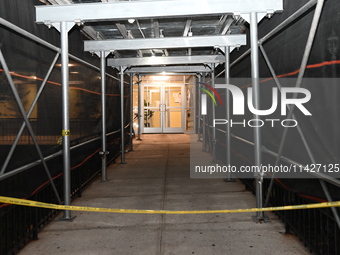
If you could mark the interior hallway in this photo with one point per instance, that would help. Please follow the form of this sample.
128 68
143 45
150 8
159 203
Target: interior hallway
156 176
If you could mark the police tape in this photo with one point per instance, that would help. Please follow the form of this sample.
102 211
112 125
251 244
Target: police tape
24 202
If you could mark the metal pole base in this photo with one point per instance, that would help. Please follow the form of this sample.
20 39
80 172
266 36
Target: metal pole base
104 181
261 220
68 219
122 163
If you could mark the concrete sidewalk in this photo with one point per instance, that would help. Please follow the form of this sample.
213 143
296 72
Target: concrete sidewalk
156 176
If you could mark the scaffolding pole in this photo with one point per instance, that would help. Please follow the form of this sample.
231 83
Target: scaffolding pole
256 99
303 138
139 106
131 112
213 117
199 76
227 108
64 28
26 120
122 127
277 29
45 43
22 128
204 124
302 69
104 151
308 49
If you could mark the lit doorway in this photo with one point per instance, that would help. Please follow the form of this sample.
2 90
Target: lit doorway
163 108
167 105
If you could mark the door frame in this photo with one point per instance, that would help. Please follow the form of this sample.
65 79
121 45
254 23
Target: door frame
163 129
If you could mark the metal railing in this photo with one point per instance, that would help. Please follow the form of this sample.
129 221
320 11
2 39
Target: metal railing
20 224
316 228
46 133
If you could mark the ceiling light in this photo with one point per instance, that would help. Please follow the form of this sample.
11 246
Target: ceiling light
160 78
131 21
68 65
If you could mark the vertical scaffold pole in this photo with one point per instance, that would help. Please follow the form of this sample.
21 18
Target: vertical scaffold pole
255 72
204 135
104 151
65 117
131 112
139 105
213 116
199 107
122 128
228 132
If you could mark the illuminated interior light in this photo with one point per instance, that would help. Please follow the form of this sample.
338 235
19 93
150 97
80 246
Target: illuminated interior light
68 65
160 77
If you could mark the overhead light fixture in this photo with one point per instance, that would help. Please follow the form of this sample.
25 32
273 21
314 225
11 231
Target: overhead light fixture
190 32
68 65
160 78
131 21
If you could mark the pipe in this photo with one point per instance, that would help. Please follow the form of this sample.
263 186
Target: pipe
303 138
131 112
283 25
28 124
16 141
289 20
199 107
213 116
256 99
46 44
204 135
227 108
122 128
104 151
303 67
49 157
139 106
65 117
324 177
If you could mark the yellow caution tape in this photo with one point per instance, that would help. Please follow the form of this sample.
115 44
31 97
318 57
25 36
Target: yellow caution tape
65 132
17 201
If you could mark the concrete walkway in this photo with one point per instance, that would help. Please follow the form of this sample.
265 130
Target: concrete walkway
157 177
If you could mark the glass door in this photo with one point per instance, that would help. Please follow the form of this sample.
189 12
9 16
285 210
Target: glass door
173 110
163 109
152 114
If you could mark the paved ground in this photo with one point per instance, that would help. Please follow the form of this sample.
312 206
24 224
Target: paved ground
157 177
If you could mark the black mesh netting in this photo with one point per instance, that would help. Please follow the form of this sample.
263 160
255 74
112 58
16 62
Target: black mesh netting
285 52
29 63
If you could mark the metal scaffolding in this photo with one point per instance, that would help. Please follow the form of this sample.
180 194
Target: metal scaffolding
83 13
64 27
64 17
